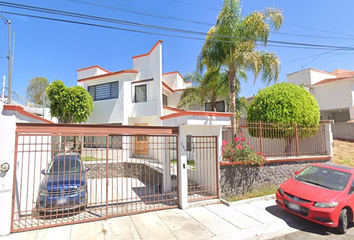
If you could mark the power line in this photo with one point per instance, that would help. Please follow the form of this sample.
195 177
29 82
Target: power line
317 29
319 47
154 15
210 24
196 5
91 17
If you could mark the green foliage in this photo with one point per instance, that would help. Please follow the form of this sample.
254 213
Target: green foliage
35 89
207 87
232 43
281 107
240 151
69 105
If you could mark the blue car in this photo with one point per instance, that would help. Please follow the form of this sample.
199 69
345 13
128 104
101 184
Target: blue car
64 186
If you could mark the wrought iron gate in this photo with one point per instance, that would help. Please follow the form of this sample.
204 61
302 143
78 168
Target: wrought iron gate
202 167
65 174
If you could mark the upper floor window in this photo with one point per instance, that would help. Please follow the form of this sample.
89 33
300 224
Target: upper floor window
140 93
104 91
220 106
164 100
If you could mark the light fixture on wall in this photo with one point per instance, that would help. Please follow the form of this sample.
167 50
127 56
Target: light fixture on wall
4 167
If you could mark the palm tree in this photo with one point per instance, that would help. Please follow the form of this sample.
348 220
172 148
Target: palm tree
232 44
206 87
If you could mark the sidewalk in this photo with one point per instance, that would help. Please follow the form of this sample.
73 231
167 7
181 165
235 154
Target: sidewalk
256 219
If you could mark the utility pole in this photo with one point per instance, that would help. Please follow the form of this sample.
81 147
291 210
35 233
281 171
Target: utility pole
9 57
9 67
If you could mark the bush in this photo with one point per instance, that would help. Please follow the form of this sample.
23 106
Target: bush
282 106
241 151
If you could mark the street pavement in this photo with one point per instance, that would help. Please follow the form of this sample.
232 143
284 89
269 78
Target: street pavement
318 232
248 219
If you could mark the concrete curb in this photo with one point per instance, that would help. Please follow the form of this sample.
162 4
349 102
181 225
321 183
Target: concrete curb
204 203
247 201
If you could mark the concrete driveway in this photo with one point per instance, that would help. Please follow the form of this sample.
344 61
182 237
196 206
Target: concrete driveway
252 219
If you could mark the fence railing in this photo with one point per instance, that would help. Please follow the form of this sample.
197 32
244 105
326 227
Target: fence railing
277 140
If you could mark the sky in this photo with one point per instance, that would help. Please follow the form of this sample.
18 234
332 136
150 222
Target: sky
55 50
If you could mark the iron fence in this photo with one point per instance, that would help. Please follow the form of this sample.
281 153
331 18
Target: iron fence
67 174
278 140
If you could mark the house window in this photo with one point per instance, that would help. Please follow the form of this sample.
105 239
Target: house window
140 93
220 106
164 100
104 91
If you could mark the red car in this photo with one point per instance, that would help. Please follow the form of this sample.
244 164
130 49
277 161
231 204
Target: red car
321 193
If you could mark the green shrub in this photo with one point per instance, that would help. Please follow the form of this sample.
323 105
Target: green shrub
281 107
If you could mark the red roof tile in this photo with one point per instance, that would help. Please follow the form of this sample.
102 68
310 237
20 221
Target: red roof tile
330 80
180 113
20 110
96 66
152 49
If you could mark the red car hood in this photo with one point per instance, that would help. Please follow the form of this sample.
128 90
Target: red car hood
309 192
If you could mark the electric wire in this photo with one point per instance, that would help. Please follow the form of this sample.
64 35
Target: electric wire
156 15
301 46
91 17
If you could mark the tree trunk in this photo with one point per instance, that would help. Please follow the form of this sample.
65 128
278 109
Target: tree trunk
232 83
288 142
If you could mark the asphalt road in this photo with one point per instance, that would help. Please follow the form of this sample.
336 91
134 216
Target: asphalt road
315 232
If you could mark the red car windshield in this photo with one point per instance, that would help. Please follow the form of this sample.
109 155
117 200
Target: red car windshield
324 177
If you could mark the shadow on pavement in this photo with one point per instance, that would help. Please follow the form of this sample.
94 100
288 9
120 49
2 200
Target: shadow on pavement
299 223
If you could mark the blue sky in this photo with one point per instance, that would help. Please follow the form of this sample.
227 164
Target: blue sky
55 50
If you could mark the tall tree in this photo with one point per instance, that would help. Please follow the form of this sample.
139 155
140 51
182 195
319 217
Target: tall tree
232 43
69 105
207 87
36 90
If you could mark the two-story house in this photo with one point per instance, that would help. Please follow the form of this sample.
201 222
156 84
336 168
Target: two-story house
334 91
143 95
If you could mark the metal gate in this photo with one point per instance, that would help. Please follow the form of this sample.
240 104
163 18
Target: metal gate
65 174
202 167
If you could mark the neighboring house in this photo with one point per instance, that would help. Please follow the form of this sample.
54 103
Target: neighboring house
334 91
142 95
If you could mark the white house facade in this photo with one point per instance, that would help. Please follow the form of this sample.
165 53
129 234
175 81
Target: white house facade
142 95
334 91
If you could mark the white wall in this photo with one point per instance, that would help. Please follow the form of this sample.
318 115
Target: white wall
111 110
149 66
8 120
174 98
197 120
7 147
91 72
333 96
307 77
319 76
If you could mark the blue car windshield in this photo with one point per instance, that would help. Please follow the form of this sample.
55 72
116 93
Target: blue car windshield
324 177
65 166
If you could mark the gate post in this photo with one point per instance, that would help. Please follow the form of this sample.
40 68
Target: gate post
182 168
7 144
